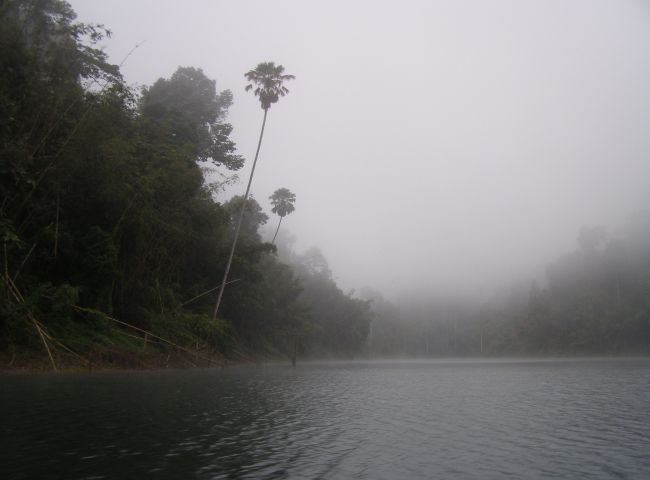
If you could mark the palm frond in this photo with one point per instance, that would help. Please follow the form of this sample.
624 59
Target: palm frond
268 78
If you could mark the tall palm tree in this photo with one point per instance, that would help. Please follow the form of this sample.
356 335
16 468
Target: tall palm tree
282 201
267 80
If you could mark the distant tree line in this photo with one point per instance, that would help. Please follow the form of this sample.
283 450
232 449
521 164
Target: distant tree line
106 214
595 301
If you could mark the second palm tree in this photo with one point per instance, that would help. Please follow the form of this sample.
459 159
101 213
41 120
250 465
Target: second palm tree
282 201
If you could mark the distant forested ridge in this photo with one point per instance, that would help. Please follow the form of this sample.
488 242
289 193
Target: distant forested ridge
594 301
111 235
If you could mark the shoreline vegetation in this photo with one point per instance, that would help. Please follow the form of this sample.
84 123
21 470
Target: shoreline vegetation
114 230
116 244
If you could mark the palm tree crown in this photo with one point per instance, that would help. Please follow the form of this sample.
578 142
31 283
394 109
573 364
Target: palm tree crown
282 201
267 81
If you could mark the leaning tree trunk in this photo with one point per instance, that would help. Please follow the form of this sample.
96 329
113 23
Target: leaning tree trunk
239 221
276 231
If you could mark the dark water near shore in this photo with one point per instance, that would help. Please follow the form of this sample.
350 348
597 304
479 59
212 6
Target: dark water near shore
393 420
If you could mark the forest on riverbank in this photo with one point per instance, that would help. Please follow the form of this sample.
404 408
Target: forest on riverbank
116 235
112 232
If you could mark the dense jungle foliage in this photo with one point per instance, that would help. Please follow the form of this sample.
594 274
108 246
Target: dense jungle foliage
106 215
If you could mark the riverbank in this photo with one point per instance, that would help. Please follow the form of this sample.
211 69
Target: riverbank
30 362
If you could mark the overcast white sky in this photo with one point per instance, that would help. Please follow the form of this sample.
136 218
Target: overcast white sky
431 142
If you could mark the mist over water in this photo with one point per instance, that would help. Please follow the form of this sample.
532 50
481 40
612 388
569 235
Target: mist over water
432 146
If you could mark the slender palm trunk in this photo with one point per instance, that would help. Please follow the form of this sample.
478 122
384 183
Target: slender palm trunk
276 231
241 216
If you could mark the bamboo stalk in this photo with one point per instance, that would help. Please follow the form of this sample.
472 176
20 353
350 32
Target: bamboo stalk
40 328
47 347
20 267
14 290
208 291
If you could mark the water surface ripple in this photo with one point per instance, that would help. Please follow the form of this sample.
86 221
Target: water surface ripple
375 420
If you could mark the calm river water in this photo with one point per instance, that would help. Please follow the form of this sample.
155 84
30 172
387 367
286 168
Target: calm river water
375 420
